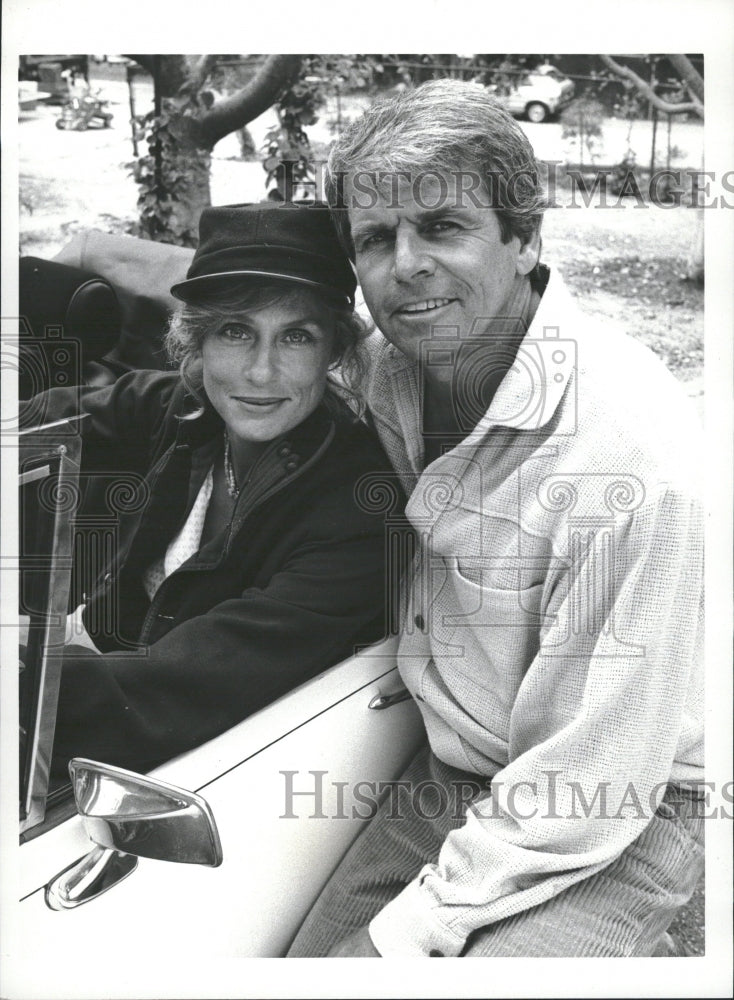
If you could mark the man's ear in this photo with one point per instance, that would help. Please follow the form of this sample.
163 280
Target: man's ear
529 254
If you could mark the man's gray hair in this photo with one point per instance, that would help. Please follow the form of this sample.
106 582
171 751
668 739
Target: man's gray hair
446 126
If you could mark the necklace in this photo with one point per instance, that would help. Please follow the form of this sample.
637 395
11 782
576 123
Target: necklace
232 487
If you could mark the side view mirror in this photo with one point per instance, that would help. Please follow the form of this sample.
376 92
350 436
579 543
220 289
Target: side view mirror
128 816
139 815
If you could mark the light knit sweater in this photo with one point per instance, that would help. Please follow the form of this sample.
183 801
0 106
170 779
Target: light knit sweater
552 631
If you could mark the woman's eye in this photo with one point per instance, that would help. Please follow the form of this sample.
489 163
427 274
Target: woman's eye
233 331
298 337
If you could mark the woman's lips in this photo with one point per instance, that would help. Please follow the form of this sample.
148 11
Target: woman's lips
260 403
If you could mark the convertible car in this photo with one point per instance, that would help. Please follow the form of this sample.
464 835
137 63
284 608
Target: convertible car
223 849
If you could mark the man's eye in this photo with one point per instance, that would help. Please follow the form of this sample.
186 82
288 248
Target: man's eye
442 226
298 337
373 240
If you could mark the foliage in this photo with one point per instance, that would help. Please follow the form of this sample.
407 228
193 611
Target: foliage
289 161
168 176
583 120
248 149
630 107
174 176
681 93
505 72
288 155
288 151
687 96
412 70
191 117
623 179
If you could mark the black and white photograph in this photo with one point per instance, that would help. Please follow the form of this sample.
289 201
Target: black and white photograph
366 500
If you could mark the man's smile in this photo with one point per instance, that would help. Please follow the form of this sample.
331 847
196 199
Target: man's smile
423 306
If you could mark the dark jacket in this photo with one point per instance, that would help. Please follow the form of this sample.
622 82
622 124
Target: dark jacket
294 585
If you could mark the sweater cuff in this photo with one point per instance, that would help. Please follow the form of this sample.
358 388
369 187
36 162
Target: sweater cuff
409 927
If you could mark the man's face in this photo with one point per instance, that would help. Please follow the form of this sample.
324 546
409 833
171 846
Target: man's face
430 257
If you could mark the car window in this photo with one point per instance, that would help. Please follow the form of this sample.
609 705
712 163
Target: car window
48 479
551 72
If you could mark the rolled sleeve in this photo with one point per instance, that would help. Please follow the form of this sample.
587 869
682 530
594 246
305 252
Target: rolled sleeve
411 926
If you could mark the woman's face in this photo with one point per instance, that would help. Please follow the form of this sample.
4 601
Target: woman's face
265 370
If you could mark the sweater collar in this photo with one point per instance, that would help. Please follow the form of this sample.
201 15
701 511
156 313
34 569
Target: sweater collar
532 389
529 394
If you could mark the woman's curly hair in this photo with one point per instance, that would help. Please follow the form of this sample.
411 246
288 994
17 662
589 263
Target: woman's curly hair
193 322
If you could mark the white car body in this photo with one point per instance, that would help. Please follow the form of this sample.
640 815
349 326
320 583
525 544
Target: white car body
537 94
278 848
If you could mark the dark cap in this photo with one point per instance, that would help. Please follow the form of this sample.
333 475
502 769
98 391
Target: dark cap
272 240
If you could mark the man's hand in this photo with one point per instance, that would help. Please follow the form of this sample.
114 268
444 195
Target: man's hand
358 944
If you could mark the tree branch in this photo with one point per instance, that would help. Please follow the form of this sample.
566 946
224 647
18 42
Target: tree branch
689 74
646 90
170 72
145 61
200 72
258 95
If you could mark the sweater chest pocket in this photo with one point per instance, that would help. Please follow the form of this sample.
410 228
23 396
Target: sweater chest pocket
496 632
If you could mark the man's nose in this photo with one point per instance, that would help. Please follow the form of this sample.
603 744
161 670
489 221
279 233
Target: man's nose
412 258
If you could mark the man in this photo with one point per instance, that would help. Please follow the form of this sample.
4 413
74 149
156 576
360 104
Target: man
552 621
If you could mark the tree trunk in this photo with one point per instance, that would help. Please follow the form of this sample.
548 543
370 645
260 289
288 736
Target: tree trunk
696 262
688 73
696 265
173 179
694 82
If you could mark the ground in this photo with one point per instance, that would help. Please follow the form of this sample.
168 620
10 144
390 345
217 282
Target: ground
625 264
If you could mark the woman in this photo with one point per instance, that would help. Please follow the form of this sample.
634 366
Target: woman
245 562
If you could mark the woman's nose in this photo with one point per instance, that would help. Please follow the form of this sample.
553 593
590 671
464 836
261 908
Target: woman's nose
261 364
411 257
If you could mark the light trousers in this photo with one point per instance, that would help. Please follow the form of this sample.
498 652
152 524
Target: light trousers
623 910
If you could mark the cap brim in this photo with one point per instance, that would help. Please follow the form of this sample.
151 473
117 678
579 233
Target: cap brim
187 290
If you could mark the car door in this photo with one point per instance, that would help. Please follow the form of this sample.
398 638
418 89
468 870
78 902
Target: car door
288 789
515 99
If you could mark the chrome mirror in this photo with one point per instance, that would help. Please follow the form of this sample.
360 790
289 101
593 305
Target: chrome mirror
139 815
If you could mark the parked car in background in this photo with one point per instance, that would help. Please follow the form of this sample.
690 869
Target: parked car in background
536 94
